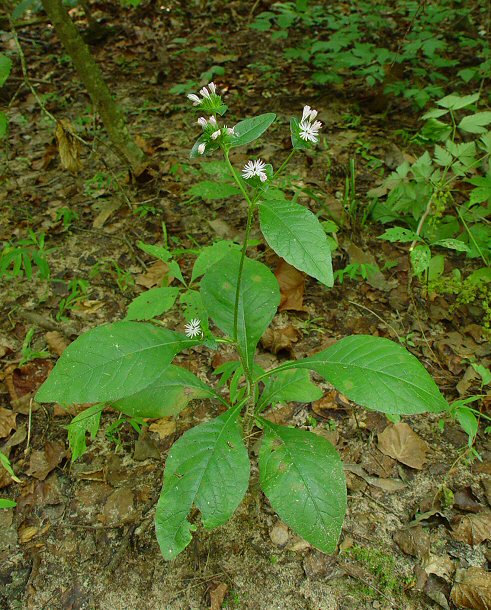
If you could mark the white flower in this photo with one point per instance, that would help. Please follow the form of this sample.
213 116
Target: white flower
310 131
230 131
202 121
194 98
193 328
216 134
255 168
212 87
306 113
204 92
212 120
202 148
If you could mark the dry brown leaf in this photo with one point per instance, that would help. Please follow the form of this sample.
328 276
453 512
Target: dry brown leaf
154 275
28 532
400 442
280 339
43 462
473 529
163 427
389 485
68 146
106 208
119 507
87 307
57 342
413 541
472 589
7 422
292 286
464 499
217 596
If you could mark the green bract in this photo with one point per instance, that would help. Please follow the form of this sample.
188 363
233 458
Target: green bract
129 365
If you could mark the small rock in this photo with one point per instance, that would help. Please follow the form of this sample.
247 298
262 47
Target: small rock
279 534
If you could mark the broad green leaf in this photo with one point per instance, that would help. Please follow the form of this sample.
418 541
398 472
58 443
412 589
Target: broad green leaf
164 255
297 142
436 113
475 123
210 255
168 394
296 235
468 422
6 503
111 361
378 374
5 67
452 244
192 302
152 303
420 258
399 234
210 191
208 467
3 124
87 421
248 130
455 102
302 476
259 297
442 156
287 386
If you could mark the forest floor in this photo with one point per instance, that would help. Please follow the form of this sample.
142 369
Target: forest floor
81 535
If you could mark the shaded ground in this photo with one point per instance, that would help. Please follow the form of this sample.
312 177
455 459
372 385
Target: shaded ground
81 535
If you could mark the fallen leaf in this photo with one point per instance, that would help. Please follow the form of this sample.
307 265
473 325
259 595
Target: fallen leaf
401 443
106 208
57 342
413 541
163 427
28 532
7 422
389 485
292 287
217 596
280 339
472 589
118 508
437 589
441 565
464 499
154 275
43 462
318 565
473 529
68 146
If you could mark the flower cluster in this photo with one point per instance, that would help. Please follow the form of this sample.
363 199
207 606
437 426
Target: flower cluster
255 168
212 134
209 99
309 128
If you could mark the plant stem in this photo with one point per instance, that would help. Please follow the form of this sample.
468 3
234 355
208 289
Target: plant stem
284 164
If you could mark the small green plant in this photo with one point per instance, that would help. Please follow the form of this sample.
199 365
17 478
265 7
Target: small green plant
129 364
99 183
123 278
5 68
381 566
77 291
67 216
19 258
356 271
28 353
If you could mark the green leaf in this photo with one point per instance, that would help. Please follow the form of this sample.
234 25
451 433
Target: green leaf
288 386
5 67
468 422
87 421
302 476
248 130
475 123
192 302
452 244
152 303
211 191
6 503
210 255
378 374
3 124
208 467
399 234
258 301
420 258
164 255
442 156
296 235
297 142
455 102
436 113
168 394
110 362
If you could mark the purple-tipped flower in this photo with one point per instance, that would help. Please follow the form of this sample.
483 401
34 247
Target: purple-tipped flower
212 120
255 168
216 134
202 148
202 121
194 98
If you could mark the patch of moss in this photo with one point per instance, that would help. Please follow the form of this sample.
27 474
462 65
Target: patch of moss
381 566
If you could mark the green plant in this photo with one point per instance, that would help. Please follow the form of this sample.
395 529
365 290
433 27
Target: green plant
100 182
28 353
18 259
5 68
381 566
67 216
129 365
77 292
356 271
124 279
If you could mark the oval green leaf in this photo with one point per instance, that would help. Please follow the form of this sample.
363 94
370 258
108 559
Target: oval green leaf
259 298
296 235
248 130
152 303
110 362
378 374
303 478
208 467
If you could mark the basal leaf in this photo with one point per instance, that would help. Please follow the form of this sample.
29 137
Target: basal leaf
111 361
378 374
248 130
296 235
259 299
303 478
86 421
208 467
167 394
152 303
